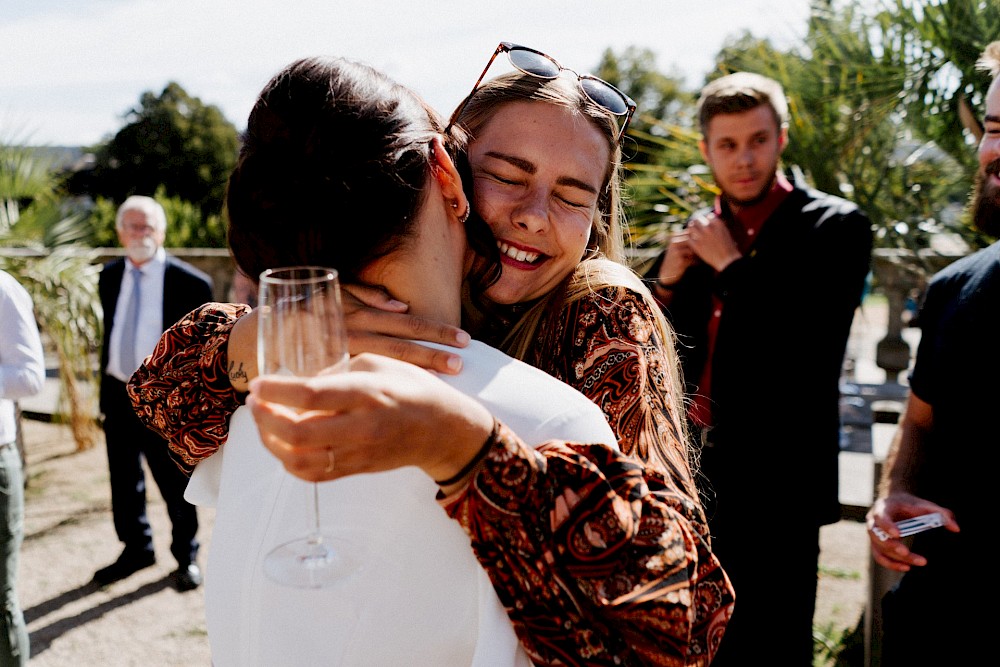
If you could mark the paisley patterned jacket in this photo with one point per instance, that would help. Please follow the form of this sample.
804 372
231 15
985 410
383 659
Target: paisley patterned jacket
598 557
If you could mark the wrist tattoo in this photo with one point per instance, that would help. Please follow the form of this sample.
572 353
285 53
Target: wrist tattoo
236 373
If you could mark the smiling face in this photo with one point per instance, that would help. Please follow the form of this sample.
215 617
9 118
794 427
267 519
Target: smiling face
538 171
742 150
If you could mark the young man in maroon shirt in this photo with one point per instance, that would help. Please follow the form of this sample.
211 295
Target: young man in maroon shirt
761 289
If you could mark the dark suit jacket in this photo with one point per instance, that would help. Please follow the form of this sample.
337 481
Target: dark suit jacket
184 289
788 307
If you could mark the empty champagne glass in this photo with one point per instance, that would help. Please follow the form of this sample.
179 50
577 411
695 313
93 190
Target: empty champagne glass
301 332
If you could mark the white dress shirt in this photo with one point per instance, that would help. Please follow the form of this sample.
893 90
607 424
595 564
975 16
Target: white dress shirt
150 313
22 363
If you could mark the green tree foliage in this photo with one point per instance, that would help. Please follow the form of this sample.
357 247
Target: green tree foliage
661 145
878 101
666 183
937 42
881 100
186 227
172 140
660 97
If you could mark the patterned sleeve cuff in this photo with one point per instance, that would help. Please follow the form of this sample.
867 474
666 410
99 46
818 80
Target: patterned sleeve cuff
508 469
183 391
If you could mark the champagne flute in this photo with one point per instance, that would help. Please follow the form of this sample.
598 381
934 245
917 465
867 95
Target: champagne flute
301 332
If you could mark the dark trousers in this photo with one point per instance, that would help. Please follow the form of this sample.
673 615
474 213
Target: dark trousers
941 613
774 568
128 441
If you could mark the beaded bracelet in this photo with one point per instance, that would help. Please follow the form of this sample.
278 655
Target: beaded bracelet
476 460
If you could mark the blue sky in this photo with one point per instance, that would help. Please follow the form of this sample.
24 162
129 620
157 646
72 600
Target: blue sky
72 69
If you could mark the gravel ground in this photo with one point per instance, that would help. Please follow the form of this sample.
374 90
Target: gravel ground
142 620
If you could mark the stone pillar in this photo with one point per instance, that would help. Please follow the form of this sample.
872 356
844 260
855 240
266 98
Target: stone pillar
894 277
897 273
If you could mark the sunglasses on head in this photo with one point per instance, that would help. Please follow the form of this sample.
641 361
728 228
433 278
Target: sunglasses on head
535 63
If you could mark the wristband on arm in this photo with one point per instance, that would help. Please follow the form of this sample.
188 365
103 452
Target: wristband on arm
476 460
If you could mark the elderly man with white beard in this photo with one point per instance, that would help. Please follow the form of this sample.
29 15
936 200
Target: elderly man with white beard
142 294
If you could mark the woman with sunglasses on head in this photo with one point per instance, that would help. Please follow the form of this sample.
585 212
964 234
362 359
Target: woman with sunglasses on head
602 335
545 158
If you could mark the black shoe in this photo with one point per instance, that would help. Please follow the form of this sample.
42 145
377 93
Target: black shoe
126 565
186 578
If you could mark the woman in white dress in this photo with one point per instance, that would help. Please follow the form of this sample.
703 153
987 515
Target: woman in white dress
418 595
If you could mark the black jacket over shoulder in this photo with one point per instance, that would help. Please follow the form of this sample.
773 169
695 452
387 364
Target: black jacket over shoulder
788 307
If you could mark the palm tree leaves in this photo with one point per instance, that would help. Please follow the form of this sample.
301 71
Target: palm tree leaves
883 102
44 252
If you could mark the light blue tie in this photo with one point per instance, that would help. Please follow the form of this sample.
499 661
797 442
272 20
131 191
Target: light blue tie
126 349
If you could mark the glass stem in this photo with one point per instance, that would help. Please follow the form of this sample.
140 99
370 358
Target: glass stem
317 535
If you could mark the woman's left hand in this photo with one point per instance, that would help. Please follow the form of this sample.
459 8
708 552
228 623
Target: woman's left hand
380 324
381 415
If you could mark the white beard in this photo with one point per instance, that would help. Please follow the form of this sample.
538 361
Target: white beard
141 251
